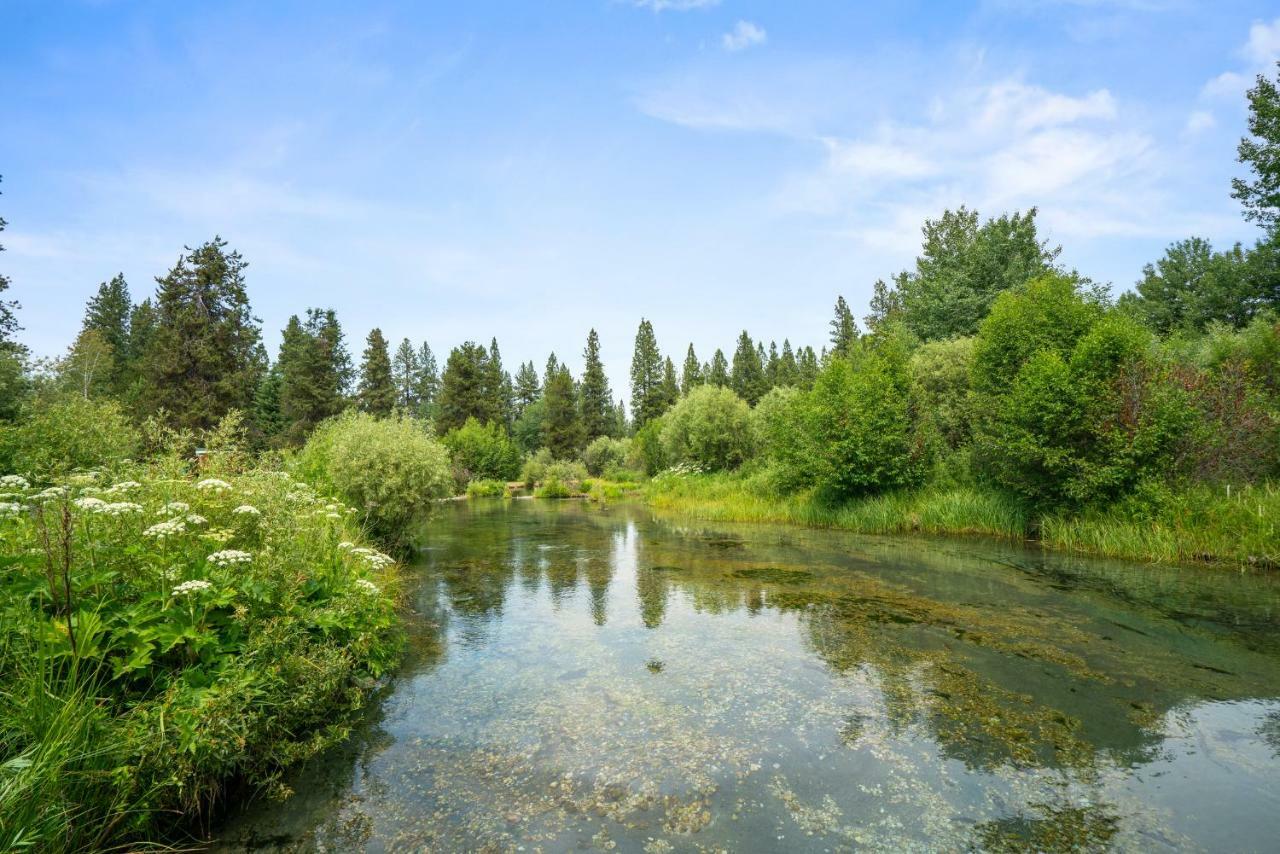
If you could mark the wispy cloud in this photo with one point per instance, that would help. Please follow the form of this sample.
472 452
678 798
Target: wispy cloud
674 5
743 35
1260 53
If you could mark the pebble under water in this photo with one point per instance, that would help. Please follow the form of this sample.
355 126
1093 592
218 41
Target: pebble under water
608 679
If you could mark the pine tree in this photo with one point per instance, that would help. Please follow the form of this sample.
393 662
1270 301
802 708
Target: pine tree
427 387
497 386
773 365
595 397
404 376
203 360
107 314
886 302
647 401
377 392
691 375
268 420
562 428
788 373
142 327
552 368
747 379
621 428
844 331
718 373
527 387
314 372
807 364
465 388
670 388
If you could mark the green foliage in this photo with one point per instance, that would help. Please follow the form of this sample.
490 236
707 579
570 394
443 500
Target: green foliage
482 451
161 637
8 318
940 389
748 379
426 389
471 387
14 384
1260 151
389 469
1193 286
844 330
605 454
487 489
718 371
377 393
711 428
596 401
691 374
778 422
528 428
541 467
647 452
107 315
527 389
60 433
648 399
562 431
315 370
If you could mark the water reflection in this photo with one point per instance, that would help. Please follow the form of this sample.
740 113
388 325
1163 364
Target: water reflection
611 680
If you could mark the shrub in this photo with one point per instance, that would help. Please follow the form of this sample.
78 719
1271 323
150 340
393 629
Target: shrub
59 433
486 489
779 425
482 451
647 454
541 468
160 637
390 469
940 389
605 453
553 487
535 467
709 427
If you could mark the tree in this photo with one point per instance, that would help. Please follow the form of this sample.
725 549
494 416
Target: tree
788 371
747 379
482 452
886 302
527 388
427 388
718 372
204 357
807 367
561 428
89 365
1192 286
13 371
497 386
691 376
315 371
710 427
466 388
1260 151
107 314
268 419
595 397
962 268
8 319
377 393
844 330
669 390
647 399
404 376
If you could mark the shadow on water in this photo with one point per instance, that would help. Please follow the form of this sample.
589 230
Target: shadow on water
608 679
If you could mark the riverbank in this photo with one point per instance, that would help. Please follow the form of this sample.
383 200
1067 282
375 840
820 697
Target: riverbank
1199 525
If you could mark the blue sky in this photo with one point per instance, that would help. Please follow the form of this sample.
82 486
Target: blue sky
454 171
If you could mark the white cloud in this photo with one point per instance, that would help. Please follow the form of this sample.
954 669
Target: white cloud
1029 107
743 35
674 5
1260 52
1263 47
1199 120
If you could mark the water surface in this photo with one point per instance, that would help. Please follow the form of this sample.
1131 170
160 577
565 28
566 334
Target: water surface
583 678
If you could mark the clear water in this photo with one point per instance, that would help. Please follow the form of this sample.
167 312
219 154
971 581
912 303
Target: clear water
606 679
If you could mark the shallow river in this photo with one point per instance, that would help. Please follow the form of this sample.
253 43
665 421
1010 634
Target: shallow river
607 679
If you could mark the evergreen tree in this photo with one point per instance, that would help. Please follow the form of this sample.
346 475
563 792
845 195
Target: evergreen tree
562 428
647 401
773 365
596 399
497 386
377 393
886 302
553 367
1260 151
404 376
620 418
203 359
142 327
718 373
670 388
315 370
788 372
268 420
427 387
844 331
466 388
762 356
747 378
807 364
107 314
691 375
527 387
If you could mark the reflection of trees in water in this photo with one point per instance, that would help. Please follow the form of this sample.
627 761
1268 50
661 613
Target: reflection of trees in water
652 591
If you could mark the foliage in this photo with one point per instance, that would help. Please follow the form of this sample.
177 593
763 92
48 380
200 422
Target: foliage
940 389
648 399
8 317
691 373
486 489
710 427
605 454
647 453
376 393
107 316
527 431
389 469
747 378
562 429
844 330
471 387
60 433
542 467
162 636
483 451
1260 151
595 399
315 370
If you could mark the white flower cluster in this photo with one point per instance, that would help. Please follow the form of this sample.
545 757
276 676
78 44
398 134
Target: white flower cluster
246 510
367 586
229 557
212 484
51 494
90 504
175 508
87 478
186 588
8 508
123 487
196 519
346 544
164 530
120 508
14 481
373 557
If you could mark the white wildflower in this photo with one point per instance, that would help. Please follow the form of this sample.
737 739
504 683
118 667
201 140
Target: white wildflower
121 508
229 557
175 508
164 530
90 504
51 493
8 508
373 557
186 588
87 478
333 515
212 484
367 586
346 544
14 481
246 510
124 486
196 519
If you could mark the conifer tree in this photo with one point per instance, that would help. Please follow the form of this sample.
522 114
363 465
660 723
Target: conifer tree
620 418
718 373
142 327
595 397
107 314
670 388
788 373
466 388
315 371
562 428
647 401
497 386
404 376
427 388
553 366
773 365
807 364
268 420
747 378
204 356
377 393
691 375
527 388
844 331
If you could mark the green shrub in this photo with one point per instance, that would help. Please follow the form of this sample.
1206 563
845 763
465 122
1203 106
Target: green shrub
541 468
553 487
160 637
483 452
486 489
390 469
647 454
940 389
779 425
709 427
605 453
59 433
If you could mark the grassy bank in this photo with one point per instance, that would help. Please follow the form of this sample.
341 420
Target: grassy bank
1198 525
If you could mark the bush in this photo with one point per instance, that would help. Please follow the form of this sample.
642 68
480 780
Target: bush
187 634
486 489
709 427
390 469
60 433
541 468
940 389
778 422
605 453
647 454
483 452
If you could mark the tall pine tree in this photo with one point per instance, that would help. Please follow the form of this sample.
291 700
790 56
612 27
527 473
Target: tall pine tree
670 387
377 393
404 376
427 388
844 331
595 397
748 374
647 401
107 314
315 371
718 373
466 388
527 387
691 375
561 428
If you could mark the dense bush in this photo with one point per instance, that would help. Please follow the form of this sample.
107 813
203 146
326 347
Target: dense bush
709 427
940 389
390 469
647 454
541 467
482 452
486 489
59 433
160 636
605 454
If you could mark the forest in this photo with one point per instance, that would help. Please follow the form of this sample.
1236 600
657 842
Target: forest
164 480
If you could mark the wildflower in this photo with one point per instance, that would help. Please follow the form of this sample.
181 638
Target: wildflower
51 493
246 510
367 586
333 515
373 557
212 484
164 530
123 486
229 557
186 588
120 508
8 508
84 479
14 481
175 508
346 544
90 504
196 519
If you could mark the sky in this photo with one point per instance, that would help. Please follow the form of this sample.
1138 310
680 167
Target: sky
456 171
